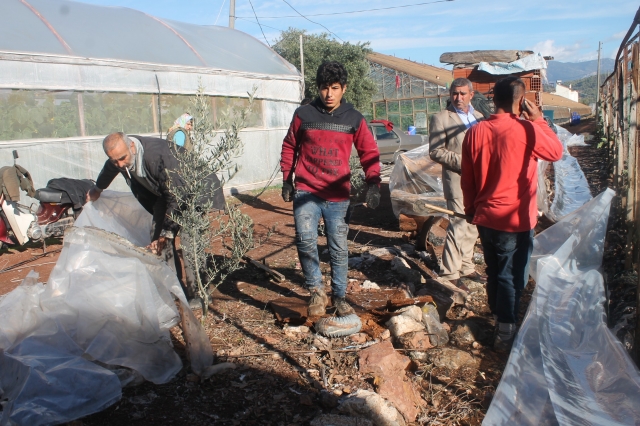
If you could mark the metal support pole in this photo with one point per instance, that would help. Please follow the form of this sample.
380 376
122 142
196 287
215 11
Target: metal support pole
232 13
302 62
598 85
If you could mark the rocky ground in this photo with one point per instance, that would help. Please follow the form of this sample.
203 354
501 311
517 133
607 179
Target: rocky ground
429 356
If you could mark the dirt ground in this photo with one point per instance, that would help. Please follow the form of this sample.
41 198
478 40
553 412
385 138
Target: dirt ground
288 378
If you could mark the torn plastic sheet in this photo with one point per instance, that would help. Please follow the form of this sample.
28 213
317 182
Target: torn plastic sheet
571 186
415 180
566 367
106 301
528 63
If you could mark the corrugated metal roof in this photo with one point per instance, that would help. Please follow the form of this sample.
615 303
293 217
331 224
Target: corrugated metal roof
549 99
435 75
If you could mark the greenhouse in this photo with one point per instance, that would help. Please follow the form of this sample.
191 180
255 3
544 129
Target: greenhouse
71 73
408 93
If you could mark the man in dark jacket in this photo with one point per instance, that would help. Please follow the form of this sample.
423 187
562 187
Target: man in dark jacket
317 149
149 168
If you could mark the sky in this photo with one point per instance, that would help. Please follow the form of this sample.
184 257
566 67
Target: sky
567 30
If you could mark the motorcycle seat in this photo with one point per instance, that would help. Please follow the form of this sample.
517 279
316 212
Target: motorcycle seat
48 195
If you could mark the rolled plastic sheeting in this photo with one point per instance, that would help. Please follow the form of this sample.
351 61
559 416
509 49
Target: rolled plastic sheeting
566 367
415 180
571 186
101 321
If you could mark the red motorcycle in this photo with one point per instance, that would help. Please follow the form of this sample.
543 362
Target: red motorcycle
60 203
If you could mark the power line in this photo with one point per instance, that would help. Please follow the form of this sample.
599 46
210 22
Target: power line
313 22
355 11
261 30
252 22
215 23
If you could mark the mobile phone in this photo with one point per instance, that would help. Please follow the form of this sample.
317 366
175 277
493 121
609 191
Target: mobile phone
524 105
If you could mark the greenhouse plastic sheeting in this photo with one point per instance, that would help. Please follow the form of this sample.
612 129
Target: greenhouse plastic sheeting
571 186
566 367
415 180
101 321
528 63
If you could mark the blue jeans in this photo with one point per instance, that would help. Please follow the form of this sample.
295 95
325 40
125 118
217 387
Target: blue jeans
307 210
507 257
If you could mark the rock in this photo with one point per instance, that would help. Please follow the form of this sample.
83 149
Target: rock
328 400
467 332
322 342
372 406
431 320
404 270
389 368
450 358
385 335
413 312
296 332
418 356
415 340
358 338
338 420
382 252
370 285
403 324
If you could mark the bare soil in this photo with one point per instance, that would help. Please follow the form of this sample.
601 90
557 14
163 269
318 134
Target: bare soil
285 378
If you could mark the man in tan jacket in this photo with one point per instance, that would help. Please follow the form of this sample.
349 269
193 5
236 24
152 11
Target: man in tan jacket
446 133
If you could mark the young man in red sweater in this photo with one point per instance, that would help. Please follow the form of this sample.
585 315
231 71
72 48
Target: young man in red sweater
499 175
316 150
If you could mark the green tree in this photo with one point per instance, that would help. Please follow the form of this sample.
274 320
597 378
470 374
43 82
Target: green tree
321 47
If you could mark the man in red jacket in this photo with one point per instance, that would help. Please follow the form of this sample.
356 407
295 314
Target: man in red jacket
499 175
317 149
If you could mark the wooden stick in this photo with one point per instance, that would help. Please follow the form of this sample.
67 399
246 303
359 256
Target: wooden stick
447 211
275 274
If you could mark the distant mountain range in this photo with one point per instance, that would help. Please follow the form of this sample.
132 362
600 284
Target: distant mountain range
568 71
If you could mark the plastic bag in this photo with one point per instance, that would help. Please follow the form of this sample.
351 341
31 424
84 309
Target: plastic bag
566 367
415 180
106 301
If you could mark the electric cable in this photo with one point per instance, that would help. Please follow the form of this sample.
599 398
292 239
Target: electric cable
261 30
223 3
313 22
252 22
358 11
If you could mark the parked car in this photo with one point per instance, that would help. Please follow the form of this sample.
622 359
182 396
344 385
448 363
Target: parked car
391 142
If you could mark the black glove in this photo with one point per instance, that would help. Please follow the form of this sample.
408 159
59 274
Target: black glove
373 196
287 192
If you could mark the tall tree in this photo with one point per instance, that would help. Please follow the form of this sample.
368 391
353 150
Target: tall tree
322 47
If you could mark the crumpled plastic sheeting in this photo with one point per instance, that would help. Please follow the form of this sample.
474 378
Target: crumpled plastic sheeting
106 301
566 367
415 180
528 63
571 186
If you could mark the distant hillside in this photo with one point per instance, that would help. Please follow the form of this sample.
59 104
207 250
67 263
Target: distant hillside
586 87
569 71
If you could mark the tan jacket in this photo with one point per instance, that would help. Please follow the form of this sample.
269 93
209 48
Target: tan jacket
446 133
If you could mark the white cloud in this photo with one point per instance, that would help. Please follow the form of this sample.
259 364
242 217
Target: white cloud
567 53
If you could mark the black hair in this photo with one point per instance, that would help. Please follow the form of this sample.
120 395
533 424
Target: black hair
331 72
507 91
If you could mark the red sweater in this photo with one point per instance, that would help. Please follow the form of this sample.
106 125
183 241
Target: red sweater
323 143
499 170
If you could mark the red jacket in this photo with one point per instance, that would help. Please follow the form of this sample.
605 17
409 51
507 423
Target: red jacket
499 170
322 143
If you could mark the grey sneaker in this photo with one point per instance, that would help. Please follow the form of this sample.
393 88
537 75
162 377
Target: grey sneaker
343 308
317 303
504 338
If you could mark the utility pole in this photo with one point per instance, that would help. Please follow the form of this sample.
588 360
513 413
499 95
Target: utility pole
598 85
232 13
302 63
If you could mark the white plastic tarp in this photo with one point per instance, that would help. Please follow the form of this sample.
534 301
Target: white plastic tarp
101 321
528 63
416 180
566 367
571 186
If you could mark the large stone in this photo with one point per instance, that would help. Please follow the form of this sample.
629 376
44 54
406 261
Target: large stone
418 340
404 270
450 358
372 406
403 324
467 332
412 311
389 368
338 420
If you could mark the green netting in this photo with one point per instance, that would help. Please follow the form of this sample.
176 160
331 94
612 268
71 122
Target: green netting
419 104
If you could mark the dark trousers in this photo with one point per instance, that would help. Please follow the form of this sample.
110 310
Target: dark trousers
507 257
